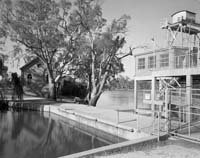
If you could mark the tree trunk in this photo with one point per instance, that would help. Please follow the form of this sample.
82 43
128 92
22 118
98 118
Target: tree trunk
94 98
89 88
52 83
52 90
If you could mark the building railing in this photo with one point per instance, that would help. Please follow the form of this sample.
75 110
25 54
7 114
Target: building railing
181 117
185 123
177 96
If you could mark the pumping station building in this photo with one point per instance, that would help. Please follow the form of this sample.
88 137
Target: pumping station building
168 79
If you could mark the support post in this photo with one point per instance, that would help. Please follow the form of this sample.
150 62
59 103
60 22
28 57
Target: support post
135 94
153 82
169 111
198 56
137 120
188 100
159 111
166 110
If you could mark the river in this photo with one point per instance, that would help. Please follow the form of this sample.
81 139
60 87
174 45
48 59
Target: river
116 99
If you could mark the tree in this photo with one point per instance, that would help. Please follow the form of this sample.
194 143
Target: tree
46 29
102 52
121 82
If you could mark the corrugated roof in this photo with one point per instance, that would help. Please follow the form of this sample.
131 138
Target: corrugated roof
183 11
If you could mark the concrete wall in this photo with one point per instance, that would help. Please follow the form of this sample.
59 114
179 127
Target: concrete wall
118 130
102 125
134 145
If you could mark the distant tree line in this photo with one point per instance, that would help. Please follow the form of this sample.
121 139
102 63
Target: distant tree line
122 83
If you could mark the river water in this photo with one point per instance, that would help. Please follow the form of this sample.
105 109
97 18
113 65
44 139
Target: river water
40 135
116 99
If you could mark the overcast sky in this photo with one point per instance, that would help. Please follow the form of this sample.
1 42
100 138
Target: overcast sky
147 16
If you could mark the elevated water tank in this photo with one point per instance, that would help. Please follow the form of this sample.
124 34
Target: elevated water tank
183 15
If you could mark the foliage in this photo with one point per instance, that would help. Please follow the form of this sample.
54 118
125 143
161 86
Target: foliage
70 88
68 37
101 53
121 83
44 27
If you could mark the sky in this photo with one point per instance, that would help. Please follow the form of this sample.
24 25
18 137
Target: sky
146 19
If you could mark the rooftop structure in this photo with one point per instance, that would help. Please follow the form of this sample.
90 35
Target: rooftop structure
183 15
183 29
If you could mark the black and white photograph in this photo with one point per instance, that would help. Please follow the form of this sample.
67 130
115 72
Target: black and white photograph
99 78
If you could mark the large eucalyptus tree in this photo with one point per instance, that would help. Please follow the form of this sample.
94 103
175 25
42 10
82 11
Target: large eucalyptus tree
101 52
46 29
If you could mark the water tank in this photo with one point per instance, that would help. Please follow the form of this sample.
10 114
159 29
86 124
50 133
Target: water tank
183 15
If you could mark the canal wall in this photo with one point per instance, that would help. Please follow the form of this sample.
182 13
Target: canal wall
99 124
113 128
137 140
124 147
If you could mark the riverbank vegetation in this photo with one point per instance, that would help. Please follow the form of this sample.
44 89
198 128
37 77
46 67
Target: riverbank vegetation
68 38
122 82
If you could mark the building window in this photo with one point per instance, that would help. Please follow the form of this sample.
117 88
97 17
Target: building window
164 60
29 78
141 63
180 61
151 62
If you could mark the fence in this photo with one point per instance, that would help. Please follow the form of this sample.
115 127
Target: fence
186 123
181 117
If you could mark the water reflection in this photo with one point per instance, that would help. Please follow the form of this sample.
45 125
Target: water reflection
30 134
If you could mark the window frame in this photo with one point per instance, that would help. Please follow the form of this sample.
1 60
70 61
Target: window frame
141 63
164 60
152 61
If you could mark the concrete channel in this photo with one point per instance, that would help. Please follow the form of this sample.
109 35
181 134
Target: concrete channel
136 140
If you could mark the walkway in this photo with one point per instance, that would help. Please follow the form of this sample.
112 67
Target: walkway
128 119
113 114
